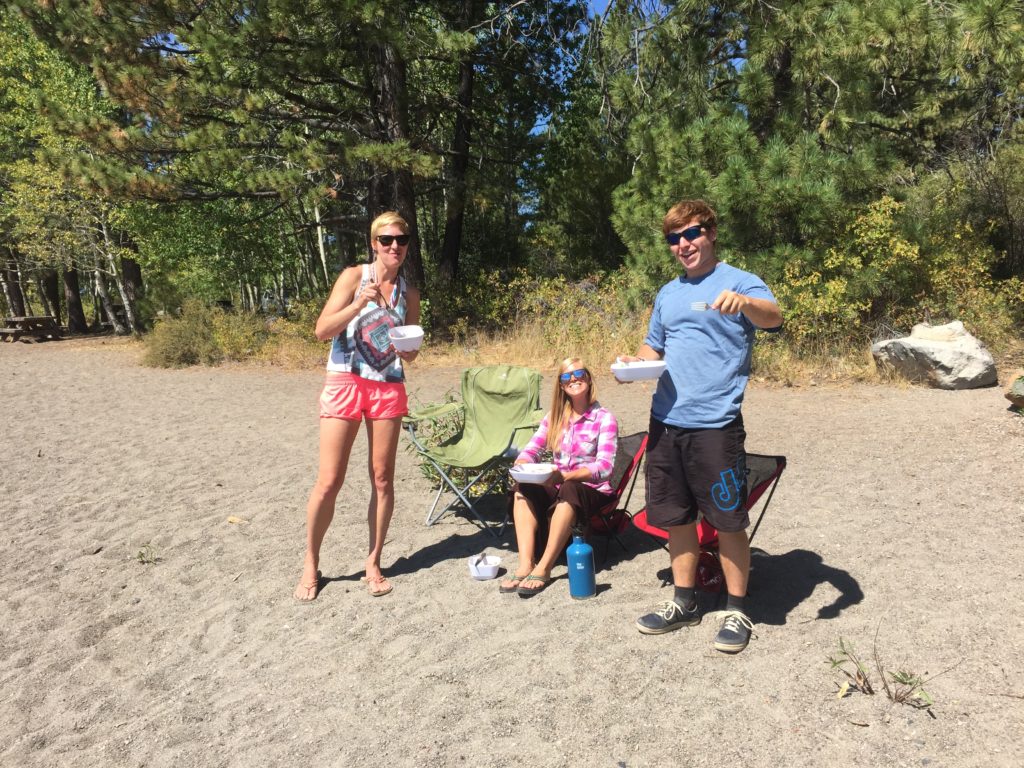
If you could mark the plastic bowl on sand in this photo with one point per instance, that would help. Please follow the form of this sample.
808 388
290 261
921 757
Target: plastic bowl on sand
406 338
483 568
531 473
639 370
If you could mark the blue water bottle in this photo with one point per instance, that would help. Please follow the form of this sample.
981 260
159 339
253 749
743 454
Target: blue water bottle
580 556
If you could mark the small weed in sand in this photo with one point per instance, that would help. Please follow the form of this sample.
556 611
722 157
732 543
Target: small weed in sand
147 555
900 686
857 677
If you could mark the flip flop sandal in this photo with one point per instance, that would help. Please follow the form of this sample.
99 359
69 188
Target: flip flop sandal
314 587
524 591
513 578
379 587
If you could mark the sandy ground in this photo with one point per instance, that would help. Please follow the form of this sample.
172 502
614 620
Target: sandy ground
897 526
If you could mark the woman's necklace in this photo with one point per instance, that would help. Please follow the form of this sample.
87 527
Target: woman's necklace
373 279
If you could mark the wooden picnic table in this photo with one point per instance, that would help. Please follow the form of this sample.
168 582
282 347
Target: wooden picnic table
39 327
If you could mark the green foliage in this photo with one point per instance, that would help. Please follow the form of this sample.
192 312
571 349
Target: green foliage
591 318
239 336
850 666
873 271
864 157
203 335
901 687
487 300
188 339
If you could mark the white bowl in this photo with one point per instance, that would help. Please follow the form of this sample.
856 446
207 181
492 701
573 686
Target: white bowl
531 473
483 568
406 338
639 370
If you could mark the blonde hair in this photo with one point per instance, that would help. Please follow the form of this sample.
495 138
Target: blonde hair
387 219
561 405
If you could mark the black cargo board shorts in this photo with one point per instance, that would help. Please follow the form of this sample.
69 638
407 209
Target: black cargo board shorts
697 470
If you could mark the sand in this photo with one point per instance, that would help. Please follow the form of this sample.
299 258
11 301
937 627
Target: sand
142 627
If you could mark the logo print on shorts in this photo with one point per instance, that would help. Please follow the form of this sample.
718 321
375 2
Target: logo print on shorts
371 338
726 493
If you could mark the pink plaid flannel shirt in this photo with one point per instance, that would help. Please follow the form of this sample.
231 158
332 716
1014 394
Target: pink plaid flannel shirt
589 442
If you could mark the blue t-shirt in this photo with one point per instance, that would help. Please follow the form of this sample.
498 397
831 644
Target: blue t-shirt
707 353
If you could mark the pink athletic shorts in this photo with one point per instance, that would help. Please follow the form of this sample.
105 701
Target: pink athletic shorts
347 396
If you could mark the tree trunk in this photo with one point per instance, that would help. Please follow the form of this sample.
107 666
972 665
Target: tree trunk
21 288
50 288
392 189
73 298
108 306
12 288
320 243
451 247
44 300
129 308
134 288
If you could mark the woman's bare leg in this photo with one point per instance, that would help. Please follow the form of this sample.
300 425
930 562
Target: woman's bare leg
526 538
336 439
382 435
558 535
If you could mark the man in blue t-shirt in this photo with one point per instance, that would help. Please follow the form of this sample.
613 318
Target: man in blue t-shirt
702 326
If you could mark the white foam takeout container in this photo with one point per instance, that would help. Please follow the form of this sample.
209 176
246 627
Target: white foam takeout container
639 370
484 567
406 338
531 473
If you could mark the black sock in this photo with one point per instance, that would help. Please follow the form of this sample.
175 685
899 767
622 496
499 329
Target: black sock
686 598
734 604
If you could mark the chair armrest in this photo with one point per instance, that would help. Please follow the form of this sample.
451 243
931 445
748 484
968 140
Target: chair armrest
522 432
430 412
532 420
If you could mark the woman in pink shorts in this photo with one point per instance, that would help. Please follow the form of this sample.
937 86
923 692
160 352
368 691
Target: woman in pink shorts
365 380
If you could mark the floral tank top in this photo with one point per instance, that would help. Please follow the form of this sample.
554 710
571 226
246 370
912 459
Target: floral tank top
364 348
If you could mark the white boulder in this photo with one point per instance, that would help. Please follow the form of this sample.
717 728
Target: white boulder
946 356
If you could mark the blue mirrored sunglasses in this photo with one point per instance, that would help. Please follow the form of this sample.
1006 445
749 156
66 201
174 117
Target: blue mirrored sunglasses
689 234
579 373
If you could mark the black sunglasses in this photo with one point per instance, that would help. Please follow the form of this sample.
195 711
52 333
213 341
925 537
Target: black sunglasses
387 240
689 234
580 374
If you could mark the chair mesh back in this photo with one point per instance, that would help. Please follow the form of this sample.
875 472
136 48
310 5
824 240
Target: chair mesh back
625 454
761 472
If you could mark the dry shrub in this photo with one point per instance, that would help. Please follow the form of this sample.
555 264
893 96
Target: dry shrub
188 339
238 336
293 345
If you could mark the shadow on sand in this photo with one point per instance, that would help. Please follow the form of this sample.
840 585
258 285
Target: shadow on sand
780 583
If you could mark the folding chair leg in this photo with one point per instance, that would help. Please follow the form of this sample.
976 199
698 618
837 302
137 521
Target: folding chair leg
437 497
460 495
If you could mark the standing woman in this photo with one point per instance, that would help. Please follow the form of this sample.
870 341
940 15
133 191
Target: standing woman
365 379
582 437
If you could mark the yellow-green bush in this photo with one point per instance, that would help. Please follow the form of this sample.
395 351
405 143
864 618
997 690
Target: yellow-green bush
188 339
202 335
835 301
238 336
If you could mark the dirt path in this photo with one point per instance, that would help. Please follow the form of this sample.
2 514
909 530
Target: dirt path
897 523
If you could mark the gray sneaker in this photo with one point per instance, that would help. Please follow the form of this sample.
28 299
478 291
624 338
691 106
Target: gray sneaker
735 632
666 617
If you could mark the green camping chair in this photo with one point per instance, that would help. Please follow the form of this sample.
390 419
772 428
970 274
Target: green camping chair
501 410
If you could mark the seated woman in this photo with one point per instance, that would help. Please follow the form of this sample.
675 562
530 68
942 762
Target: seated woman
581 436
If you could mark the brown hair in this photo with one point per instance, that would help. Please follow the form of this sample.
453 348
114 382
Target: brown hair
561 405
685 211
